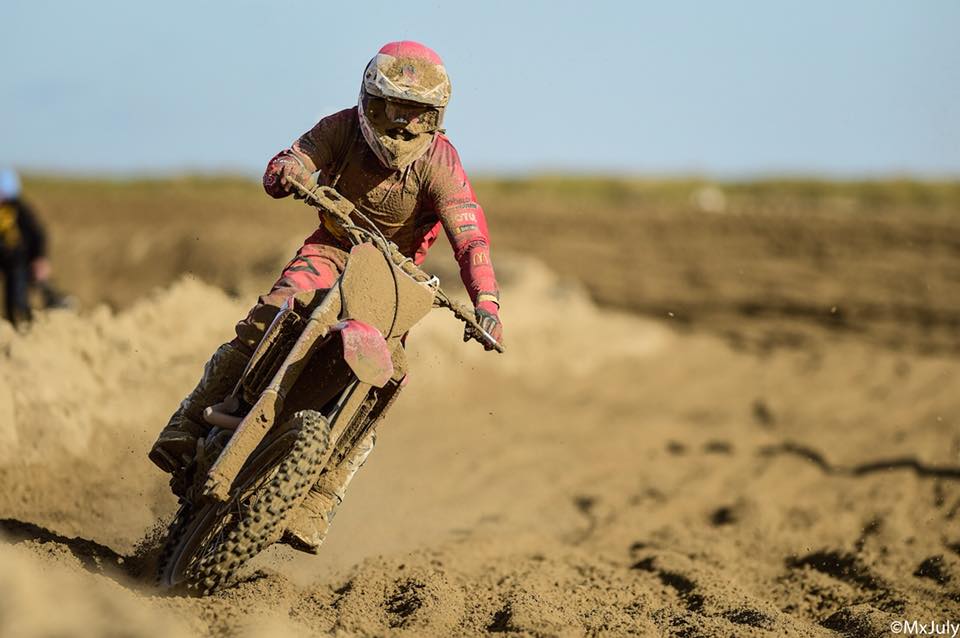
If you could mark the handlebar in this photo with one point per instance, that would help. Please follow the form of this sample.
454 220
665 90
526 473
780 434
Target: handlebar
337 209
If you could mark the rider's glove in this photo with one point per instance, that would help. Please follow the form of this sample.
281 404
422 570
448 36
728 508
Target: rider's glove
282 168
488 316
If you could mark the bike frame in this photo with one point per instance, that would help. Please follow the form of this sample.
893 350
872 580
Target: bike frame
372 306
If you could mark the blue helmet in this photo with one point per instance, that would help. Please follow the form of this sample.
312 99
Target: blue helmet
9 184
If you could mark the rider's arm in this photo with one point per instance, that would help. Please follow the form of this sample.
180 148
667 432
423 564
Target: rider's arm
465 225
317 149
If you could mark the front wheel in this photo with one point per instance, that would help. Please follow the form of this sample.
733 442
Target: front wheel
209 541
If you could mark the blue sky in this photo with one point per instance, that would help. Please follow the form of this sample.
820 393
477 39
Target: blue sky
735 88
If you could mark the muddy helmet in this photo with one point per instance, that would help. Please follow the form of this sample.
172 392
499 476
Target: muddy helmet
402 99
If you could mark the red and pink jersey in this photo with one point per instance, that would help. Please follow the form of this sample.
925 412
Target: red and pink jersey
410 206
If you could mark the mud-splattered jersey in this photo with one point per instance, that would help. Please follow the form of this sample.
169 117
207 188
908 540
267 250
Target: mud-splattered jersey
410 206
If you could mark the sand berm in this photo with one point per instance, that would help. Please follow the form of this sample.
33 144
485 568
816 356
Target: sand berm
608 476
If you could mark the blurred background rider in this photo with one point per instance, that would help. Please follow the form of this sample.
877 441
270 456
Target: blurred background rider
23 253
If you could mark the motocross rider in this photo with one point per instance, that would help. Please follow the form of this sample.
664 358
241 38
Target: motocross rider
391 158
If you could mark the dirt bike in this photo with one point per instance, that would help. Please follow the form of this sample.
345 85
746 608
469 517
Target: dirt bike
324 374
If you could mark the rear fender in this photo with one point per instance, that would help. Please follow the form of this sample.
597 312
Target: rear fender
365 351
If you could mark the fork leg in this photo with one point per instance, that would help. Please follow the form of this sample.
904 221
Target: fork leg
309 525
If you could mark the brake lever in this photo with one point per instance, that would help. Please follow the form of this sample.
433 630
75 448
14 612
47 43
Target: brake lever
483 337
490 341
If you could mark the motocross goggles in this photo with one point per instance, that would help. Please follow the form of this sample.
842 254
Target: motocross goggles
399 120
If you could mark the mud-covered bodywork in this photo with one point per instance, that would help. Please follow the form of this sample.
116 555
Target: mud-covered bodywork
373 296
366 352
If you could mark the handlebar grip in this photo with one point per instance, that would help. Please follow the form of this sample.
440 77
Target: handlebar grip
486 340
465 314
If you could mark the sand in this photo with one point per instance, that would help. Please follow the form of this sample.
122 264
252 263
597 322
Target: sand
755 433
610 475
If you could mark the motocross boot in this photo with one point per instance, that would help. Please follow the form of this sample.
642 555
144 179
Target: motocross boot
177 443
308 526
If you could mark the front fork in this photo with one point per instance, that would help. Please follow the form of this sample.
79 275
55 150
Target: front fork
368 416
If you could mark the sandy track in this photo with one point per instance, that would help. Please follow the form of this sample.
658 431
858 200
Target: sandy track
614 477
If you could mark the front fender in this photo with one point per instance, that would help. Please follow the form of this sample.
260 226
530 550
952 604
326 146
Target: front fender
365 351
